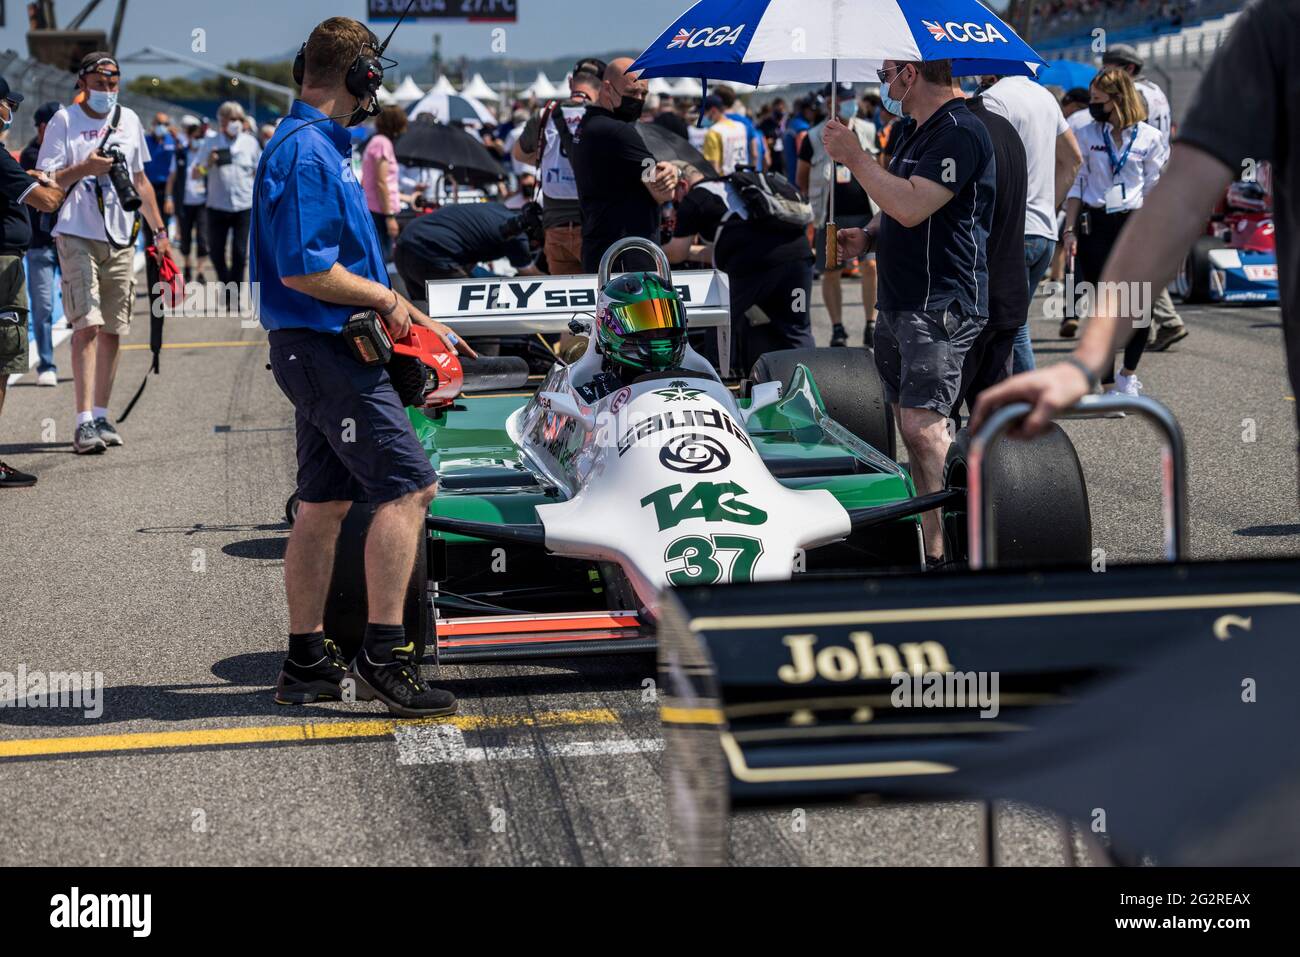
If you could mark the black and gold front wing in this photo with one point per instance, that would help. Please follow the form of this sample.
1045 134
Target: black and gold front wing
825 689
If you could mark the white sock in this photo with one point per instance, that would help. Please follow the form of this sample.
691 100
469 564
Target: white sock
101 412
84 417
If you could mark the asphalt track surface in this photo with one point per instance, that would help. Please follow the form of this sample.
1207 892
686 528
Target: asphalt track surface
159 565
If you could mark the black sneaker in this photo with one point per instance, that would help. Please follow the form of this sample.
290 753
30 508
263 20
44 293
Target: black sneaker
1069 326
108 432
869 334
86 440
322 680
397 684
10 477
1166 336
839 336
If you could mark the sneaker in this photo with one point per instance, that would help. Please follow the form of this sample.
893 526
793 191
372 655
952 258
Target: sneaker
86 441
322 680
869 334
48 379
1166 336
839 336
1069 327
1126 385
10 477
107 432
397 684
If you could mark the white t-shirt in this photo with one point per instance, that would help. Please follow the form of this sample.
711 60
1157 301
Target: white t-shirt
1078 120
70 137
1137 177
196 188
1037 117
230 187
1157 106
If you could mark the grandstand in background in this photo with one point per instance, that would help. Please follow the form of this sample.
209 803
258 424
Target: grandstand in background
1176 38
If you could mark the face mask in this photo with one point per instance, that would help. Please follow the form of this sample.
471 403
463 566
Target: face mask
160 131
629 109
1098 111
6 123
706 122
888 102
234 128
848 110
101 102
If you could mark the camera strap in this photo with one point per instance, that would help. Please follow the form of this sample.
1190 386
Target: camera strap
99 190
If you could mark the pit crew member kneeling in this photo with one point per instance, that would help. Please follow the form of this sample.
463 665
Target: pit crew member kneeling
318 260
936 209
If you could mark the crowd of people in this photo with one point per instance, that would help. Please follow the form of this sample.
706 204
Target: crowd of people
1055 18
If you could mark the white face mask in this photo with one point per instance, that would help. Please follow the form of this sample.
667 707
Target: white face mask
101 102
234 128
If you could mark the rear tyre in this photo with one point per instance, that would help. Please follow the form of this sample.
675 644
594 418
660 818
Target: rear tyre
1193 280
849 385
1041 514
346 609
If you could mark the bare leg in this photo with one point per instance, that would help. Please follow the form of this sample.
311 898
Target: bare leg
83 366
832 295
309 563
390 554
108 349
869 288
925 433
4 387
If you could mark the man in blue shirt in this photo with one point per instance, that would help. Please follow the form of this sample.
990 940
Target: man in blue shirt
316 261
931 236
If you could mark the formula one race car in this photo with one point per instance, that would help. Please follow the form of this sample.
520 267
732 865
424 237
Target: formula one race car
564 511
1236 260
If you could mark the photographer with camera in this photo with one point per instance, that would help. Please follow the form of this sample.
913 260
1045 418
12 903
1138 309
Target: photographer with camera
318 261
96 151
228 164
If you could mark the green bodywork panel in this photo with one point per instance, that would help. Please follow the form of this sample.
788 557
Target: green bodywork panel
468 445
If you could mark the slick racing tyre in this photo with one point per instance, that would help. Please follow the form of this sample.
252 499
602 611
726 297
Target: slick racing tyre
346 611
849 385
1192 283
1040 501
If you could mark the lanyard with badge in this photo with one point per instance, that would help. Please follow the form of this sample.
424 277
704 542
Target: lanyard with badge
1117 194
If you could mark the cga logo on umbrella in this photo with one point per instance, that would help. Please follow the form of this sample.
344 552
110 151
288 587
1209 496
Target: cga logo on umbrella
962 32
705 37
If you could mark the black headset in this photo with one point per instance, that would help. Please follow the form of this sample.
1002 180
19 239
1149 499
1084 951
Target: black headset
365 75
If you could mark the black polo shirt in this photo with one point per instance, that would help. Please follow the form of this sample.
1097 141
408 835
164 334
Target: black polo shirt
15 227
41 237
943 260
609 161
1245 111
1008 280
461 236
741 247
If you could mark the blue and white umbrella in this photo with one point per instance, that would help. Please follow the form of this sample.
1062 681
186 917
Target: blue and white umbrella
808 41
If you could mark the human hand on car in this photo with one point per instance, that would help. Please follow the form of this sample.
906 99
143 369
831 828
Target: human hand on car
1049 390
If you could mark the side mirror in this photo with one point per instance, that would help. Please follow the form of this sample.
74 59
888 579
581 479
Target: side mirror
760 397
562 403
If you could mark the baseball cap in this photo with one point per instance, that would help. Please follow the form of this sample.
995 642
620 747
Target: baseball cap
189 120
1122 53
1077 94
91 62
8 94
45 112
844 91
712 102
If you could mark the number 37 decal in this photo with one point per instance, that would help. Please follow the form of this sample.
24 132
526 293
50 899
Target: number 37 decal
699 559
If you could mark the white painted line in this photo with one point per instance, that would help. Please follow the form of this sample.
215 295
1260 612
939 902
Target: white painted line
445 744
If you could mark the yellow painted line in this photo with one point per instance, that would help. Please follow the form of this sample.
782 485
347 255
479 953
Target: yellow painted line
1095 606
671 715
289 733
233 343
1289 398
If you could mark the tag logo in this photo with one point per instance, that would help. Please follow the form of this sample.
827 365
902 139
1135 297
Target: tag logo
705 37
963 32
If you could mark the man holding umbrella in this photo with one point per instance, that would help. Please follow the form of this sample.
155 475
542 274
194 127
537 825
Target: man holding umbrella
936 209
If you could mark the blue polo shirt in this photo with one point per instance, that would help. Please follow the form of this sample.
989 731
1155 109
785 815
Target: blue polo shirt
159 166
309 212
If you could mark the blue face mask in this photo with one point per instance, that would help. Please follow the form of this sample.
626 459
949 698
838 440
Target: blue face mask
706 122
888 102
848 110
101 102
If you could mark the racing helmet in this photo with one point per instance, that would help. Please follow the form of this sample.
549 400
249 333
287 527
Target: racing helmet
640 323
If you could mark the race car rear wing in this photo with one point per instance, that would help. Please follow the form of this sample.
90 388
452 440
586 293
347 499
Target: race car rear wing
830 689
525 305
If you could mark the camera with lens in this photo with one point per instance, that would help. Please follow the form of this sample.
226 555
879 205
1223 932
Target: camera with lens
529 222
120 177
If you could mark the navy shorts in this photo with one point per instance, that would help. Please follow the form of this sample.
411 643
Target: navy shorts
355 443
920 356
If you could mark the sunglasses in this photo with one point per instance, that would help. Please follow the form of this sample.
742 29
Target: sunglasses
886 76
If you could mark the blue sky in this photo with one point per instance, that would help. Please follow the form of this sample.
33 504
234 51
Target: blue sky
268 28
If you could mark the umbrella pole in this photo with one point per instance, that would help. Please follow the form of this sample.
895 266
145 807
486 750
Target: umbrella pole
832 231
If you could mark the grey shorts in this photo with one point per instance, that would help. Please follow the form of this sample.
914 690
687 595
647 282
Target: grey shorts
920 354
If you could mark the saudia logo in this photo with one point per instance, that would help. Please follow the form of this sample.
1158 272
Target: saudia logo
705 37
962 32
864 660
